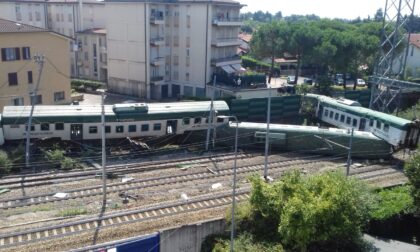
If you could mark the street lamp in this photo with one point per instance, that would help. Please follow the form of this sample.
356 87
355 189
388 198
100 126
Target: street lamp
232 230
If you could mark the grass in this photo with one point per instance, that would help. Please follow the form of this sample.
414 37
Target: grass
392 202
72 212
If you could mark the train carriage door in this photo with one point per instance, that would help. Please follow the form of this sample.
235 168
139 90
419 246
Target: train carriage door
76 132
362 125
171 126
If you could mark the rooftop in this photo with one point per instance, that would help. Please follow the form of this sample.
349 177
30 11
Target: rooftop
7 26
415 39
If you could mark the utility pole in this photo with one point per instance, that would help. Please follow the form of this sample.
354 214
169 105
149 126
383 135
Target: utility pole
349 153
211 115
39 59
267 133
103 152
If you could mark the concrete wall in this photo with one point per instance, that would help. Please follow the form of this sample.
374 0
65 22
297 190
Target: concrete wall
189 238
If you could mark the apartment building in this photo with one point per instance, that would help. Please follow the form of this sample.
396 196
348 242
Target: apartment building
66 17
19 72
92 54
170 48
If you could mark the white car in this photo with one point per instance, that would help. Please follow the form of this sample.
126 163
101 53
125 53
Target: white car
361 82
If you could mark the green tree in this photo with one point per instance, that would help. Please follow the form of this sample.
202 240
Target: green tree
268 42
5 163
412 170
379 15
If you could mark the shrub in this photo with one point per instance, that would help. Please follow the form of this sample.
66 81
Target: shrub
81 85
392 202
412 170
5 163
68 164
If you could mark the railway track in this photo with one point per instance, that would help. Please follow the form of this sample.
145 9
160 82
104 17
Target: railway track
18 182
153 212
152 182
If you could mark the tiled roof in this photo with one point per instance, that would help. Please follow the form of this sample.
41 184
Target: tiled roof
11 26
415 39
245 37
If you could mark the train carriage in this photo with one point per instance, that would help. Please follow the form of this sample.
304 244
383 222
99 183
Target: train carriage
122 120
349 114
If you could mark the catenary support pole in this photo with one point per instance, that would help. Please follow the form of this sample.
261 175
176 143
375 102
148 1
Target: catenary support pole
267 139
103 151
349 153
211 115
232 230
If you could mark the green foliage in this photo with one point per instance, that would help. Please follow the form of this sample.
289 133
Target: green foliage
246 243
57 157
412 170
321 208
72 212
391 202
250 62
81 85
304 89
68 163
5 163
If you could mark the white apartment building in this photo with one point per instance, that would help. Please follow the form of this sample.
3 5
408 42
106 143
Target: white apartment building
61 16
170 48
92 54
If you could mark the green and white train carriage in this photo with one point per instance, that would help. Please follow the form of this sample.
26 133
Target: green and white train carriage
77 123
349 114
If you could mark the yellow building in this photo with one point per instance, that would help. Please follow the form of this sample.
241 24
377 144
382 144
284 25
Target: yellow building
19 72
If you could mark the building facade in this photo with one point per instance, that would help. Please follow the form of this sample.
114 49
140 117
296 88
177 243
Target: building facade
413 57
19 43
92 54
168 48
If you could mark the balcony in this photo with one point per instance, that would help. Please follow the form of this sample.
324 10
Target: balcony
102 49
226 42
226 61
221 21
157 41
159 61
157 80
157 19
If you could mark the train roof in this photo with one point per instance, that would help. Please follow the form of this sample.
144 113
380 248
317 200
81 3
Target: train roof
359 110
113 113
304 129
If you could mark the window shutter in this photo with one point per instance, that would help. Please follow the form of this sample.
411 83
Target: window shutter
17 52
3 54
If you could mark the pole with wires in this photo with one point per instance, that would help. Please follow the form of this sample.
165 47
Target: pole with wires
211 114
103 152
267 139
39 59
349 153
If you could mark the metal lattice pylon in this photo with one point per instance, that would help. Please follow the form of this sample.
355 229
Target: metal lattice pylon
393 55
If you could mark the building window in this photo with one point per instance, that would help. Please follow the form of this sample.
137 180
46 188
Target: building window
70 18
187 61
157 126
59 96
30 79
107 129
18 13
35 100
188 44
95 66
186 121
145 127
9 54
57 17
189 21
13 79
86 54
62 17
176 75
119 129
412 51
17 101
85 41
94 49
30 16
93 130
132 128
26 53
176 40
187 76
59 126
176 60
37 16
354 122
45 126
70 32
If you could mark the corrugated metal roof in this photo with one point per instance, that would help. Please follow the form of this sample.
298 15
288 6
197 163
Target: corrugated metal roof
368 113
95 110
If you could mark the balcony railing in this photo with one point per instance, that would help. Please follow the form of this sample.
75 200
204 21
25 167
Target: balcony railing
157 41
156 78
157 19
158 61
225 61
223 21
226 42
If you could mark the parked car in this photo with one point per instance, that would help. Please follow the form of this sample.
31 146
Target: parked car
308 81
361 82
339 81
291 79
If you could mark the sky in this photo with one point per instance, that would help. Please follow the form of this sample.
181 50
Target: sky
346 9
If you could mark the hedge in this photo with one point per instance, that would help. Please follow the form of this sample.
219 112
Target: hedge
81 85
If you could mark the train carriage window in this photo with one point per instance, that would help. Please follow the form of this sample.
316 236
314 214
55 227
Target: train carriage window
132 128
157 126
15 126
220 120
326 112
93 129
331 114
386 127
45 126
354 122
197 120
119 129
342 118
378 124
186 121
32 127
59 126
371 122
107 129
145 127
207 120
336 116
348 120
